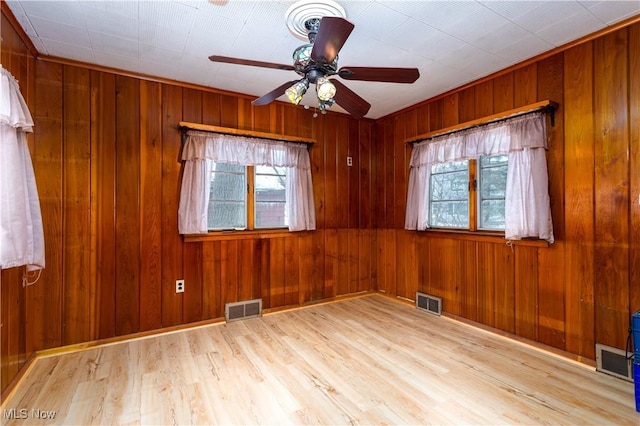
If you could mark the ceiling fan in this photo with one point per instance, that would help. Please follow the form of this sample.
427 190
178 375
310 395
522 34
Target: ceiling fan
317 61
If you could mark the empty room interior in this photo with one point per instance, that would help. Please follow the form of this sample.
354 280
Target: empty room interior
320 212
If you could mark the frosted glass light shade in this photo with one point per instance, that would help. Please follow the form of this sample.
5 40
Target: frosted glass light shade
325 89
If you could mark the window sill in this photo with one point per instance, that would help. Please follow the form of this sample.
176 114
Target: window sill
483 236
254 234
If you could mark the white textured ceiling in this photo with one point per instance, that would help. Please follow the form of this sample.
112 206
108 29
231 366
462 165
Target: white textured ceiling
450 42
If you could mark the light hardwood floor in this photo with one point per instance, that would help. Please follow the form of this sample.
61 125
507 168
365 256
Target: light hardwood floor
366 360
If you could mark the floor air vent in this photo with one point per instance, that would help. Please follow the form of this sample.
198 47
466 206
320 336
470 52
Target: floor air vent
613 361
242 310
428 303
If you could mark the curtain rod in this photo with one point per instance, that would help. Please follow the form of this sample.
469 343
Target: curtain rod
538 106
250 133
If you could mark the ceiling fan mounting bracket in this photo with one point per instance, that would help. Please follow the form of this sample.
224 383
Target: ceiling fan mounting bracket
304 11
312 26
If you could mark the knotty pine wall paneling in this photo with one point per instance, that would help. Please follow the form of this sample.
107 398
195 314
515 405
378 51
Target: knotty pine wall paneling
128 232
78 305
151 206
550 317
342 206
103 185
611 128
45 298
583 288
192 111
579 169
172 245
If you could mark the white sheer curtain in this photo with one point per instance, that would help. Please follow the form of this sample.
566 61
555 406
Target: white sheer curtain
202 149
524 139
21 233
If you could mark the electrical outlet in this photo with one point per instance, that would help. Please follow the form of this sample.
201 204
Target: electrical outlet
349 161
179 286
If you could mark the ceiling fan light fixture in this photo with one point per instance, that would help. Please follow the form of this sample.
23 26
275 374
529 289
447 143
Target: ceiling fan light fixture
297 91
325 89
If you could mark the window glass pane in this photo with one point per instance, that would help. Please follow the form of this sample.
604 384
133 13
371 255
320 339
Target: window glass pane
493 183
449 167
228 197
450 186
494 160
450 214
492 214
227 215
228 167
270 197
491 193
449 197
271 170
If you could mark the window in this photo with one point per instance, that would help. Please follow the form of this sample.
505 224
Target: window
512 199
454 201
224 188
234 187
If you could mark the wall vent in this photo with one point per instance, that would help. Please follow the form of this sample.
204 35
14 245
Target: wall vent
613 361
243 310
431 304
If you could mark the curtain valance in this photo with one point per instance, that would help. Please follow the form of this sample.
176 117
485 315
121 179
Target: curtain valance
516 134
243 150
202 149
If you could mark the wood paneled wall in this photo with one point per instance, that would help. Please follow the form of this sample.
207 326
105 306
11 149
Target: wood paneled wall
583 288
108 171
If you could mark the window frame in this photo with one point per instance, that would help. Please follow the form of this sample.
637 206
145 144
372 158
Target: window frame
473 203
433 202
255 202
250 207
478 186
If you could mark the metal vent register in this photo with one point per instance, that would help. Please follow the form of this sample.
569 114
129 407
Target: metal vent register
242 310
613 361
431 304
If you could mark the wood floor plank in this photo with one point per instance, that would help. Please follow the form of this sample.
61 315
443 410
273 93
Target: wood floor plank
366 360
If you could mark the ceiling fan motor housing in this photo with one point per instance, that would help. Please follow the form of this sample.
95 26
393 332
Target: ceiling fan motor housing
307 67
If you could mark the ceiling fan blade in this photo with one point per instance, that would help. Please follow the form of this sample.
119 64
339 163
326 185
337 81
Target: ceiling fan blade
349 100
389 75
274 94
237 61
332 34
